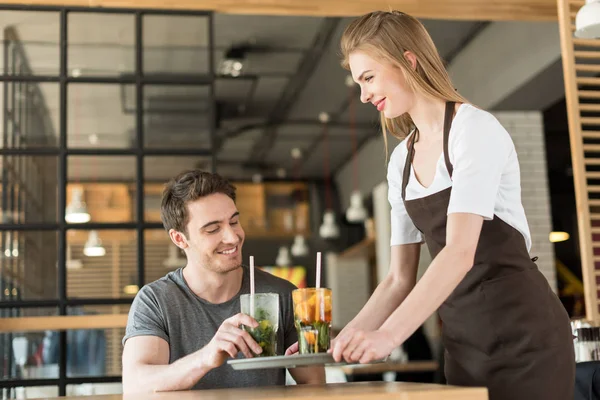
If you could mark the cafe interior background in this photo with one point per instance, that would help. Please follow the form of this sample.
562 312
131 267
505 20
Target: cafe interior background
101 107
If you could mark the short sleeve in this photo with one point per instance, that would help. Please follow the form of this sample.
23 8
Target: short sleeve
145 317
479 152
403 230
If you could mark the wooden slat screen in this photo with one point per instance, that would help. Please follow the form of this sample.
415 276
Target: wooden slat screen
581 66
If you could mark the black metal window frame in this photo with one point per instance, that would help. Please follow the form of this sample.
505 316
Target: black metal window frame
62 151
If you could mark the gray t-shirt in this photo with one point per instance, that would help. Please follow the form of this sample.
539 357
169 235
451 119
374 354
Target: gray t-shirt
168 308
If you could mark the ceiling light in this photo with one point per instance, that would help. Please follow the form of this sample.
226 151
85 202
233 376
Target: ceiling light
76 212
329 229
283 257
296 153
587 21
93 247
299 248
357 211
349 81
233 62
257 178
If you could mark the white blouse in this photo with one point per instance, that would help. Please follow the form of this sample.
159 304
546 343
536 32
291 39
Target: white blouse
485 181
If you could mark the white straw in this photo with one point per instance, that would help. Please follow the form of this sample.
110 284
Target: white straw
318 269
252 285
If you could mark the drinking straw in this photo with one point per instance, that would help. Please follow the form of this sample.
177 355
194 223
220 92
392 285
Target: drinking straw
318 270
252 285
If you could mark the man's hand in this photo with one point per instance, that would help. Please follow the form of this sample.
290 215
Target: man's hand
229 340
293 349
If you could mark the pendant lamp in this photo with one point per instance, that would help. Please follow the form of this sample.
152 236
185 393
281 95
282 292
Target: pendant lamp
587 21
93 247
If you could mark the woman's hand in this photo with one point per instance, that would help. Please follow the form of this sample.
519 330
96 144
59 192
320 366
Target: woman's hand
353 345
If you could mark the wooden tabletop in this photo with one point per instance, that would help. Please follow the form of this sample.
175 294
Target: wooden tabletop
337 391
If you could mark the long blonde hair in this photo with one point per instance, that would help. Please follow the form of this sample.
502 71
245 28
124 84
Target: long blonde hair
387 35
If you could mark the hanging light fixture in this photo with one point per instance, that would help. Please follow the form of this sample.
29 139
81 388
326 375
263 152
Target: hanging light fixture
76 212
93 247
174 260
283 257
329 229
357 211
299 248
234 60
587 21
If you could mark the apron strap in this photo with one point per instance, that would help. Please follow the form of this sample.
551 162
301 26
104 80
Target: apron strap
408 163
415 137
447 124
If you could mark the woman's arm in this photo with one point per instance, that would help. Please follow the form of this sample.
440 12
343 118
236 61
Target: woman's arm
394 288
443 275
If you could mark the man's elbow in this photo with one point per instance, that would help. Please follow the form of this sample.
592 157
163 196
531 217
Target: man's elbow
129 385
315 377
131 380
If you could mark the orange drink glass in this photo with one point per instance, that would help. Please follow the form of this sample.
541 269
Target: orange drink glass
312 317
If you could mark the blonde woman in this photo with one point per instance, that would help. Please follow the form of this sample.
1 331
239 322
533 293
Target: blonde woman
454 183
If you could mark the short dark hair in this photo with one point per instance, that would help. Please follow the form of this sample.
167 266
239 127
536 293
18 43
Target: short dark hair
187 187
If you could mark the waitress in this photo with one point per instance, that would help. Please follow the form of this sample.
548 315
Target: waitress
454 183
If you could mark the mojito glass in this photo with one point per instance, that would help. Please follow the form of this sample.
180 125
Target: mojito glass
312 317
266 313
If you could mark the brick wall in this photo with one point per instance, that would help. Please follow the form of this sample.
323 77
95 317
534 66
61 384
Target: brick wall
527 132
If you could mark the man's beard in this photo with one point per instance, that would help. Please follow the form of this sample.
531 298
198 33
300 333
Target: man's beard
223 269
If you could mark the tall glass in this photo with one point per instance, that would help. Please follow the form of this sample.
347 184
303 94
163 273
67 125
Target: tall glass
312 317
266 313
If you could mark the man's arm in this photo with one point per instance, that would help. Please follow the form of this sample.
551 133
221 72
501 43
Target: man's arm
308 375
146 365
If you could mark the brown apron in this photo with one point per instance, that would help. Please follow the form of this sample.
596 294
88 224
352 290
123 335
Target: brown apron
502 327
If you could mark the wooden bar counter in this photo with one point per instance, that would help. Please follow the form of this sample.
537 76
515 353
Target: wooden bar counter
337 391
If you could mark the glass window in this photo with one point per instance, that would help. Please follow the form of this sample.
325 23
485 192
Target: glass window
177 117
101 189
101 44
99 118
32 38
175 44
101 263
30 116
29 188
28 265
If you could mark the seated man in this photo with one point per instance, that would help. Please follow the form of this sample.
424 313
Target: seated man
183 327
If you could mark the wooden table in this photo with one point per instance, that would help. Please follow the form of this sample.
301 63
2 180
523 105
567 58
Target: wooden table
338 391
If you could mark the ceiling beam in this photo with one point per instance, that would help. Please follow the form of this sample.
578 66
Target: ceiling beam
492 10
294 87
